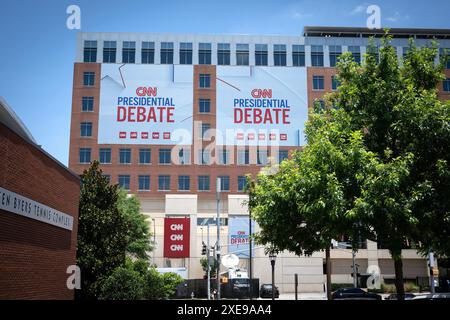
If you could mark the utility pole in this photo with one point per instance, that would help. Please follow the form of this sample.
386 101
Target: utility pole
209 266
218 189
431 264
355 283
154 240
250 253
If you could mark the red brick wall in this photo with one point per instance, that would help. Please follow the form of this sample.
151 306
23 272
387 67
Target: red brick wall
34 255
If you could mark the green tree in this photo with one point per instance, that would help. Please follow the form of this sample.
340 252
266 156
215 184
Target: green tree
213 268
406 194
101 243
123 284
138 231
306 204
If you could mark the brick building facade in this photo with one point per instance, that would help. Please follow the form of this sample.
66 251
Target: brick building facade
34 255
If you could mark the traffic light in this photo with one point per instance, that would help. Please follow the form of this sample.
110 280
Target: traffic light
203 249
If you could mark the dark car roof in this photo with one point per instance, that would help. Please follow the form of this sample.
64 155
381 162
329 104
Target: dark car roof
350 290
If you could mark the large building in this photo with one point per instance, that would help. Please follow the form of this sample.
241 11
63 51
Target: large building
168 114
38 216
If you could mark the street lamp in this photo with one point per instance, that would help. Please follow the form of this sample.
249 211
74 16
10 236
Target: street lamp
272 258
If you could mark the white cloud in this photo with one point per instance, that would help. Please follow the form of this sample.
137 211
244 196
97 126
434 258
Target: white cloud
358 9
297 15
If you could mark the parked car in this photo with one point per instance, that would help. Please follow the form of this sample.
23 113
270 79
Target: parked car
434 296
354 294
393 296
266 291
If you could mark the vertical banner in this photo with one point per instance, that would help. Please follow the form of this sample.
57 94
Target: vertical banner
176 237
238 236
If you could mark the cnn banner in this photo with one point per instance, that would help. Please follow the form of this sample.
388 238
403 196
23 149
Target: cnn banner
176 237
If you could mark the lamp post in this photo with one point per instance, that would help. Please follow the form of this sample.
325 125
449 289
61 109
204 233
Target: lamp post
218 189
272 258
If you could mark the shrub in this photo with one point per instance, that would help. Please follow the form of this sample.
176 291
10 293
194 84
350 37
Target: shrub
411 287
123 284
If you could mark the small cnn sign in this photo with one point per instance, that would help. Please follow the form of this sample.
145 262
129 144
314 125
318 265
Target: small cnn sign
176 237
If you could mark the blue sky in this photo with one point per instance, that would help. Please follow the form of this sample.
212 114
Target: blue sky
37 50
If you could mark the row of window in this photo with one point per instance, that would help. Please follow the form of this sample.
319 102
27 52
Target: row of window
186 52
183 156
204 81
223 53
184 182
319 83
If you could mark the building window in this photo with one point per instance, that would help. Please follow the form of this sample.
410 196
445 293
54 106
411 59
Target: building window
243 157
88 79
317 56
204 105
204 80
166 52
204 53
223 54
319 105
184 156
224 156
443 52
242 183
298 55
282 154
204 156
86 129
405 52
279 54
124 182
148 52
224 183
144 183
261 54
125 156
447 85
90 51
185 53
356 53
184 183
335 52
164 156
85 155
204 130
105 155
107 177
163 183
263 156
128 52
145 156
203 183
318 83
242 54
109 51
334 83
87 104
373 51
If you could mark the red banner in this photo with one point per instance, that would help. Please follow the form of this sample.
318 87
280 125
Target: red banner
176 237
